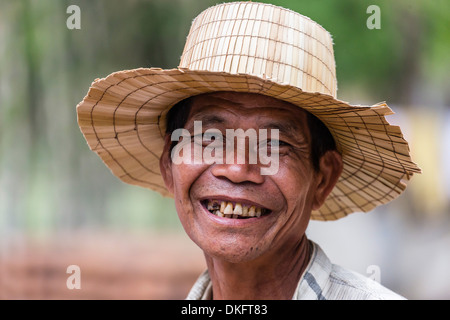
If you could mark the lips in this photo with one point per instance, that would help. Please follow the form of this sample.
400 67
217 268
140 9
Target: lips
234 210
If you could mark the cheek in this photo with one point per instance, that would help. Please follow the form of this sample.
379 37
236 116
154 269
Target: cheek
184 176
295 177
296 185
296 180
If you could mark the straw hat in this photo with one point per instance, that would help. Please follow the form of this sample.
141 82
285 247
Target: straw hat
258 48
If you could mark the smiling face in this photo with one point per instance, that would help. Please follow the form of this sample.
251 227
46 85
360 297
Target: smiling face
276 207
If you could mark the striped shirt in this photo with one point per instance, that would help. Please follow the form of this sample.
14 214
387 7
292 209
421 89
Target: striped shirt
321 280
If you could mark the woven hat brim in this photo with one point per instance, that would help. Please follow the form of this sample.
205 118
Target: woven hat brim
123 120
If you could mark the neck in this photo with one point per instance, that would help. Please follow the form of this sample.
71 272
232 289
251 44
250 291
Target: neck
270 277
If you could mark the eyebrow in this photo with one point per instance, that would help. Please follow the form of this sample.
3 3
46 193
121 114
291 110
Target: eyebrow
209 118
288 129
206 119
281 126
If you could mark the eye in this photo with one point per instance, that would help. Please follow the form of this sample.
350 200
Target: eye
274 147
284 144
198 138
208 138
273 143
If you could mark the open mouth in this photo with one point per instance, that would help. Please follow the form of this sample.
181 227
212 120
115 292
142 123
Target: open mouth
234 210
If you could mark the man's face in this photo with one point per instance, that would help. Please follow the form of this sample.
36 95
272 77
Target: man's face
285 198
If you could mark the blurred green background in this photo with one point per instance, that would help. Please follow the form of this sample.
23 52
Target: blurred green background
52 186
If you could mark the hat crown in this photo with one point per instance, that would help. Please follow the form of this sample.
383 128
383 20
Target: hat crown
262 40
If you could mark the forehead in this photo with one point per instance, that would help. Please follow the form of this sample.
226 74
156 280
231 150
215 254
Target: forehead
250 106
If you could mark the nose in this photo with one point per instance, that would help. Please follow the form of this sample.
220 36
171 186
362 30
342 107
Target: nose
238 173
240 162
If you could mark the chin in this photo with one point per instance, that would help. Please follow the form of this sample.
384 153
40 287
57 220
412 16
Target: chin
232 252
232 257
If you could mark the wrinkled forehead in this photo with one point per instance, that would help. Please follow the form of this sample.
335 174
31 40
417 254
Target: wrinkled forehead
254 109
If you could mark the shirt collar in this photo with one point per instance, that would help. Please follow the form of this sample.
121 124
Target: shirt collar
309 287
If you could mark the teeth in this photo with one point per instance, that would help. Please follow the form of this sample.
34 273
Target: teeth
218 213
227 210
237 209
245 211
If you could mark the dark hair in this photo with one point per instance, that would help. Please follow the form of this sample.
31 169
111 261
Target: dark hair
321 138
178 115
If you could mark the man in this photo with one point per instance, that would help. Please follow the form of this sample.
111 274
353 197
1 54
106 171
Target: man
248 137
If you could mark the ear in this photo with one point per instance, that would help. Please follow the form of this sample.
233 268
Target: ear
329 173
165 164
